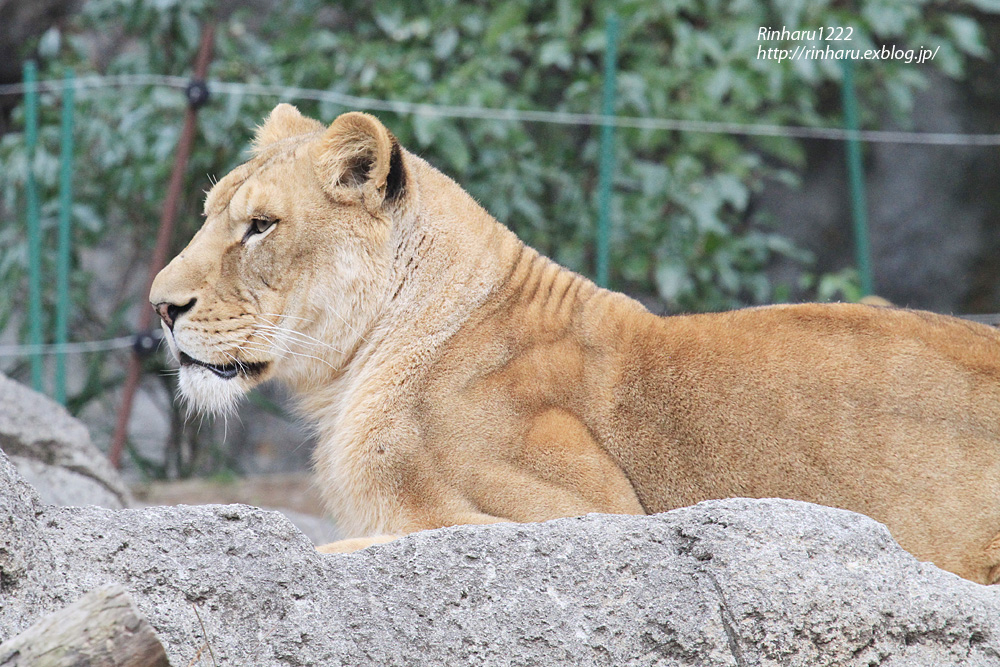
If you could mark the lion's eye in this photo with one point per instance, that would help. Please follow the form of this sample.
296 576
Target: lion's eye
258 226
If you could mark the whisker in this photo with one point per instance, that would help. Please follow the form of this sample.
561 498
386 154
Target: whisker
284 341
269 338
252 346
339 316
301 337
293 332
353 330
239 364
287 317
299 354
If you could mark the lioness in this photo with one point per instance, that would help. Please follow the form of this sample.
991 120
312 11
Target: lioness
455 375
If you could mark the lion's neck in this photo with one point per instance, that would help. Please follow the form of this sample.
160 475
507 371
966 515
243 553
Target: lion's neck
460 284
449 255
446 257
453 268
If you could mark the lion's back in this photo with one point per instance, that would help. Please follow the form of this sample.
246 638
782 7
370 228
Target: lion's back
796 401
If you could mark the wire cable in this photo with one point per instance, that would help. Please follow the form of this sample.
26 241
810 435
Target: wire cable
87 83
90 83
67 348
141 342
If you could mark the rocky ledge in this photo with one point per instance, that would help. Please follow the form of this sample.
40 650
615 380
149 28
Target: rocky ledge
734 582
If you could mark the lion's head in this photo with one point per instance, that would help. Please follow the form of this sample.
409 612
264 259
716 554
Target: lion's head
289 268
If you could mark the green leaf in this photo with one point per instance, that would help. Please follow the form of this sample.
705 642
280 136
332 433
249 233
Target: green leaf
503 21
966 34
991 6
426 129
672 280
731 189
555 52
48 44
445 43
452 146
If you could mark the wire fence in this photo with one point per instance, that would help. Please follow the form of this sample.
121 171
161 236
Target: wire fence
91 83
119 343
87 83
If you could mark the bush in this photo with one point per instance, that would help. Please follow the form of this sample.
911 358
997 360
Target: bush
684 225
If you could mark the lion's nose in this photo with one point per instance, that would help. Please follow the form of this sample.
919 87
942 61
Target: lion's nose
169 312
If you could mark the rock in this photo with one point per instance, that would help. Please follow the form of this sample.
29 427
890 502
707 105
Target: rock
101 628
292 494
316 528
18 529
732 582
58 486
53 451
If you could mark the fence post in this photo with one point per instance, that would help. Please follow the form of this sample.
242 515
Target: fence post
607 159
34 224
65 233
856 180
159 258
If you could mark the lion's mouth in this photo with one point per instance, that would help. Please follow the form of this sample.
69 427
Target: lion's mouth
226 371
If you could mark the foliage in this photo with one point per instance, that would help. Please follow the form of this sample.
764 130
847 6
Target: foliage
683 221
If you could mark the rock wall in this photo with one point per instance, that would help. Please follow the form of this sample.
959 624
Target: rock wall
735 582
53 451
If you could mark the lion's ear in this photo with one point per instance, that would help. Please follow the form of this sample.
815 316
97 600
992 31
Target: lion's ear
283 122
358 152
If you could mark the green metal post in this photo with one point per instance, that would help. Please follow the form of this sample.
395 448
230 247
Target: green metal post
607 160
65 233
34 223
856 181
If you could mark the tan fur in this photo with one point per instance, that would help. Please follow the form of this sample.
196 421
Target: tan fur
454 375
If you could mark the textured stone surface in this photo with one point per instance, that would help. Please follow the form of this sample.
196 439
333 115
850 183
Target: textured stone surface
58 486
735 582
292 494
34 428
317 529
19 504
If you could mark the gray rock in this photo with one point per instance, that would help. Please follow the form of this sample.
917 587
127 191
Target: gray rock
34 428
316 528
58 486
291 494
735 582
19 505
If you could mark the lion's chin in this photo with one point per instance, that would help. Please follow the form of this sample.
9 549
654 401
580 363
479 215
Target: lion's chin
205 391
